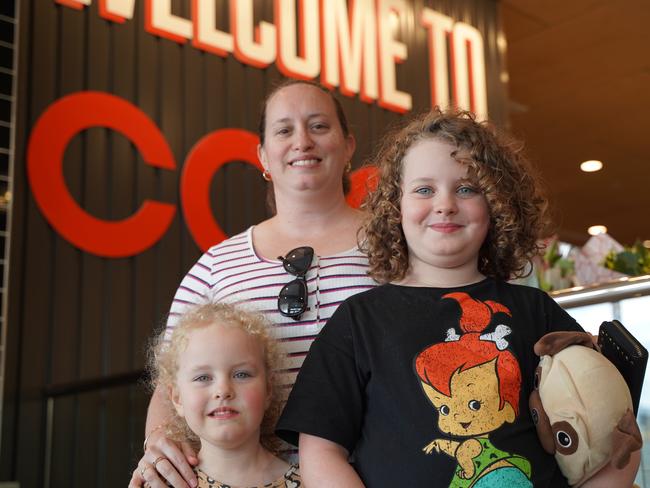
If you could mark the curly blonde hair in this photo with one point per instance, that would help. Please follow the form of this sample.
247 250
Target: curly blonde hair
495 162
164 354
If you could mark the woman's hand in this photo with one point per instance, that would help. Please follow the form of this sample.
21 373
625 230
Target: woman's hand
163 460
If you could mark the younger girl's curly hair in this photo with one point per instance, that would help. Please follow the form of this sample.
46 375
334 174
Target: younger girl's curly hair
165 351
495 162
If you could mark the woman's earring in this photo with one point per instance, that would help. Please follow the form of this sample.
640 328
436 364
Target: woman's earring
348 167
266 175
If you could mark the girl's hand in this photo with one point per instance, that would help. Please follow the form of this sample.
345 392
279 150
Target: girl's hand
165 462
610 476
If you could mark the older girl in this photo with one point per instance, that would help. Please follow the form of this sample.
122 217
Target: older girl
421 380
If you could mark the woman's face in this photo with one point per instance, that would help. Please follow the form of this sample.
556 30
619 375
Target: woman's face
305 148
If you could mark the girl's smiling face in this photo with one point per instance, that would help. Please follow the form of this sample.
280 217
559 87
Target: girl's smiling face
473 405
445 218
221 386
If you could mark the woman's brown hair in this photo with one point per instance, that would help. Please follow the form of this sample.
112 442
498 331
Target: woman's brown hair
495 161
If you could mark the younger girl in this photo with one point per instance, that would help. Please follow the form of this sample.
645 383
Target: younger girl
424 381
218 371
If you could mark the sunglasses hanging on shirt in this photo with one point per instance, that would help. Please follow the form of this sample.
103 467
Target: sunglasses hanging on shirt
292 300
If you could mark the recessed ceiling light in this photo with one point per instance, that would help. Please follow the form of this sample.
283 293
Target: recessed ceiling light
591 166
594 230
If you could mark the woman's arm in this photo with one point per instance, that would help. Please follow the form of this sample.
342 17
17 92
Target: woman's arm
174 460
175 466
609 476
325 464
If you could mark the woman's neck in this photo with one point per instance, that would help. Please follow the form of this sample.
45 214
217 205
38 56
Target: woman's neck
313 210
249 465
330 227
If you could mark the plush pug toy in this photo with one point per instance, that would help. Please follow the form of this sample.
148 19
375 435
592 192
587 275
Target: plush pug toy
581 407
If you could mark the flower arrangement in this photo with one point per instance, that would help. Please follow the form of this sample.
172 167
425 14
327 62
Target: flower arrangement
555 271
632 260
589 261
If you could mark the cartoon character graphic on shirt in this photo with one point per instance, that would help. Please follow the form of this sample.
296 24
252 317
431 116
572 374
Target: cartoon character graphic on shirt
473 381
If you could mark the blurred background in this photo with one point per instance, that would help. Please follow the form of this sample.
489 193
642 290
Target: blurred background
578 74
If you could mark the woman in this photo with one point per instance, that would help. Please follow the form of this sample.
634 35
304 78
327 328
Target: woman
305 149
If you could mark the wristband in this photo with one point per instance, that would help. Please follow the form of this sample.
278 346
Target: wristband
144 444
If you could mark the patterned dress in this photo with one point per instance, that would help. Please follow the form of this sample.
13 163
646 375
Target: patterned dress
290 479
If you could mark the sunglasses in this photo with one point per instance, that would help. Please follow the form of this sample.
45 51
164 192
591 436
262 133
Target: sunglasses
292 300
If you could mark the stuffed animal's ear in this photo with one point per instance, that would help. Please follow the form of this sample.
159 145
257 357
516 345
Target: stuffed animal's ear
554 342
625 440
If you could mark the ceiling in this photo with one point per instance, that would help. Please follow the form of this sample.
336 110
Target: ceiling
579 89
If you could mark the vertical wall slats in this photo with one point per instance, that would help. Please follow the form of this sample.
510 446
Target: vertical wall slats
9 356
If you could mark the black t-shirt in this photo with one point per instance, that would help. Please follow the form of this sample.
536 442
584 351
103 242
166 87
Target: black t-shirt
429 387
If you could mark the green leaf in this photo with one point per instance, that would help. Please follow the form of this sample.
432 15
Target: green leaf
627 262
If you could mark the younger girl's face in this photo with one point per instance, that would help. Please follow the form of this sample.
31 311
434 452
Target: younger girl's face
221 386
445 218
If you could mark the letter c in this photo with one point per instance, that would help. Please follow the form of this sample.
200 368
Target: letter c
53 131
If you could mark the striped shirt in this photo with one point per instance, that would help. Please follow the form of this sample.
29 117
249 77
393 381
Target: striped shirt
232 272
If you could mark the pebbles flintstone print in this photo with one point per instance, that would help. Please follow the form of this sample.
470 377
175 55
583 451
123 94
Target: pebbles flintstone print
474 382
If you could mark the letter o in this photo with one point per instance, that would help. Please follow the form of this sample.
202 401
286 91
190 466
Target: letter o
204 160
49 138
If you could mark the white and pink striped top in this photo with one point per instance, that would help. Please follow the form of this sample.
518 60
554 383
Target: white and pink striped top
232 272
